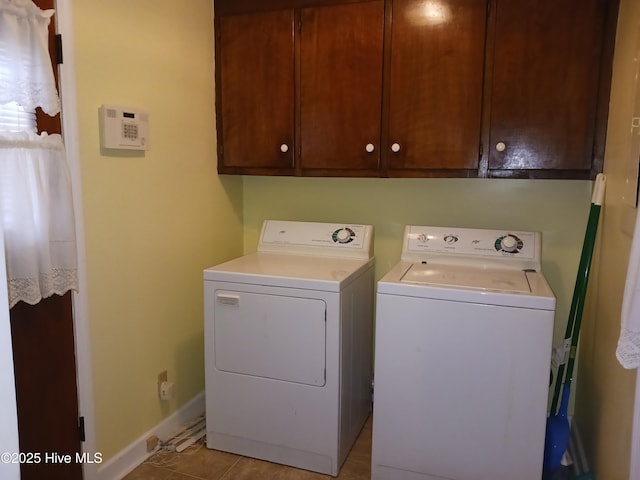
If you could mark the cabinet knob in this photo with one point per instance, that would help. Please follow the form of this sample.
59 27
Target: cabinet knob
395 147
501 146
284 148
369 148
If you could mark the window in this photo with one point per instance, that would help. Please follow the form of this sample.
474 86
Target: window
14 118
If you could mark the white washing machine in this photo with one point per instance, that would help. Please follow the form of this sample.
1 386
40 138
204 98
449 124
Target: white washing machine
288 345
464 327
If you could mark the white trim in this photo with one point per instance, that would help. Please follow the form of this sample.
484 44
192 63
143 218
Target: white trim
136 453
69 119
9 441
634 466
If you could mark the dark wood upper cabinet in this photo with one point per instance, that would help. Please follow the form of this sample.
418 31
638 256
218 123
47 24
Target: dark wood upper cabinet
413 88
341 88
299 90
255 92
434 101
548 57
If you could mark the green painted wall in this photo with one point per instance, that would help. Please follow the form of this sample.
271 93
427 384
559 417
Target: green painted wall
557 208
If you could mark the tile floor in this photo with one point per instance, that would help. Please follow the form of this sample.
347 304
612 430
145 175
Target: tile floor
199 463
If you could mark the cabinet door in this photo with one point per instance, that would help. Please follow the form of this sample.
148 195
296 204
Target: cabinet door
341 88
544 92
255 92
435 87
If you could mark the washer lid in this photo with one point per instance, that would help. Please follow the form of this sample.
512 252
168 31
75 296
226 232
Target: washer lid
487 279
465 283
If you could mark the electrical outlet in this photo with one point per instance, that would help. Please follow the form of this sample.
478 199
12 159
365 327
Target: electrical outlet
152 443
162 378
166 390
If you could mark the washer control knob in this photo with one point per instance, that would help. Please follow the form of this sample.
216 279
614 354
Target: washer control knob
510 243
343 235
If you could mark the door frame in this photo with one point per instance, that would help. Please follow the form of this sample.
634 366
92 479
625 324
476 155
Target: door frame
9 440
70 131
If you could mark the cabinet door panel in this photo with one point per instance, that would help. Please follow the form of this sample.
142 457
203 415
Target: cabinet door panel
437 58
545 84
341 86
256 90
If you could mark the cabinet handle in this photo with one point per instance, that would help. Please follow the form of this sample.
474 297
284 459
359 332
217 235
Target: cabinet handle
395 147
284 148
501 146
369 148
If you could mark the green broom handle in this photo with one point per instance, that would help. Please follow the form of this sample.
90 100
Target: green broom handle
576 301
581 278
567 336
598 198
578 320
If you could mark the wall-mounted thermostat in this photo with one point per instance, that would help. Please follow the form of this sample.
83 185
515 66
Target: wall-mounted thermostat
124 128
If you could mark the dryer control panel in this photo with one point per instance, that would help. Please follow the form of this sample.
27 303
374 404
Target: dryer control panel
503 248
312 238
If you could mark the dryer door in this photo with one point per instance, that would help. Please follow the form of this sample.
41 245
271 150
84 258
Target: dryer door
271 336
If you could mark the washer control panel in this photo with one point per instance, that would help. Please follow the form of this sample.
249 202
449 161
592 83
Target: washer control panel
316 238
424 243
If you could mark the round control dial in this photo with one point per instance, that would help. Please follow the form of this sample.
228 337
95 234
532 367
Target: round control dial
343 235
509 243
450 239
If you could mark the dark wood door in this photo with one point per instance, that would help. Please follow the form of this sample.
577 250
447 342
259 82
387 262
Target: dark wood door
255 92
544 91
341 88
45 367
46 392
435 87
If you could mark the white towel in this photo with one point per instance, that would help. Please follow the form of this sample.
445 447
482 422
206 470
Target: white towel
628 351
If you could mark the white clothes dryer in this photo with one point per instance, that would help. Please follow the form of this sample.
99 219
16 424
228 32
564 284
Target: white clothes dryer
288 345
464 326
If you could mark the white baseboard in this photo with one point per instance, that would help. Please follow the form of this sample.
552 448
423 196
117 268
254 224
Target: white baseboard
136 453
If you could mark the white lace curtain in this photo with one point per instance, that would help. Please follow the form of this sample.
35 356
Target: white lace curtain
36 207
628 349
